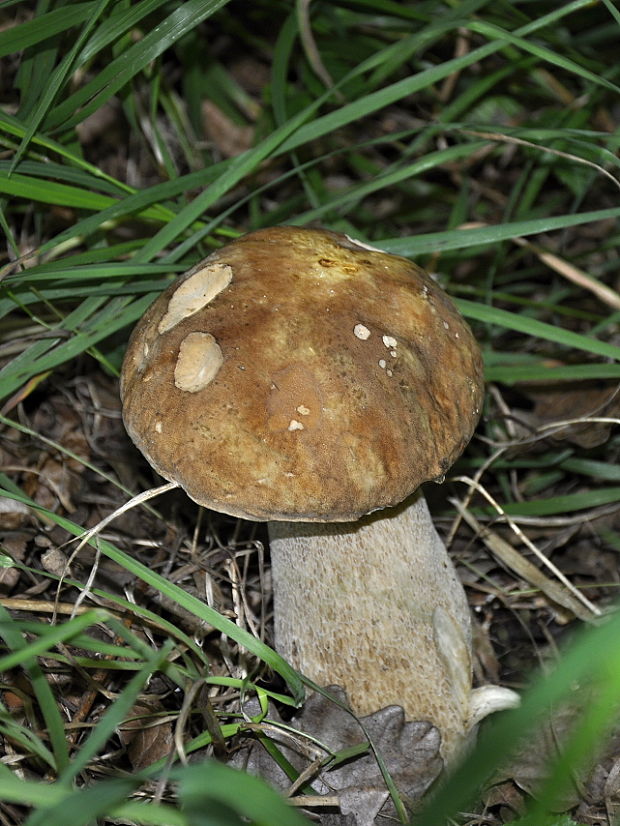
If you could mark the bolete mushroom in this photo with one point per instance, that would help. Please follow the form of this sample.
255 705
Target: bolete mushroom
304 378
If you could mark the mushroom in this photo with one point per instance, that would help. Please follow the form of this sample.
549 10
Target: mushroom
301 377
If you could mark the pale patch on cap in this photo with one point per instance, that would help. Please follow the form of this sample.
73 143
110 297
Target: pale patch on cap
200 358
195 293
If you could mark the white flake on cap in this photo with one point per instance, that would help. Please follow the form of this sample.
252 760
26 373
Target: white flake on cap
363 245
361 332
195 293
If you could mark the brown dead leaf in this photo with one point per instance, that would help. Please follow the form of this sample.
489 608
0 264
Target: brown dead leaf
56 479
229 138
508 798
559 401
147 739
100 123
13 514
612 789
14 544
530 767
55 562
486 664
253 75
13 541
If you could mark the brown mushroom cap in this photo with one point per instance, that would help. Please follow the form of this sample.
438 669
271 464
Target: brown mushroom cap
295 374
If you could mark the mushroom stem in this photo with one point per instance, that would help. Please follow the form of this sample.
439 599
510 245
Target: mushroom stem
376 607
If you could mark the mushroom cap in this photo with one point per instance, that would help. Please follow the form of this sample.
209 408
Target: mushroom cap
296 374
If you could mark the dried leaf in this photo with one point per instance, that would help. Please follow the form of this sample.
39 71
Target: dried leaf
13 514
229 138
558 401
147 740
410 750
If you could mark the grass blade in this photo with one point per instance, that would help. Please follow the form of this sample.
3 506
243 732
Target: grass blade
174 592
461 239
122 69
539 329
30 32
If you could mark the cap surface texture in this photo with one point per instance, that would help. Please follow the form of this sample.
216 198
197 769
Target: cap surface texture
295 374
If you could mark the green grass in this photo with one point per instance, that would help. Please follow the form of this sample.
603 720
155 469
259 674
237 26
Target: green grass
589 674
450 130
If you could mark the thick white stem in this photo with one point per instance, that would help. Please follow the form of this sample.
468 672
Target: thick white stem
376 607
